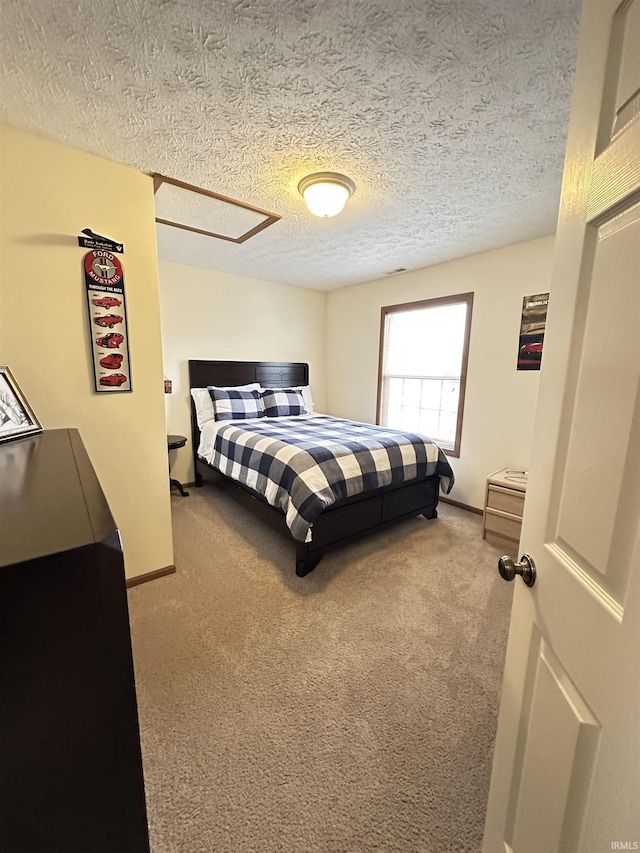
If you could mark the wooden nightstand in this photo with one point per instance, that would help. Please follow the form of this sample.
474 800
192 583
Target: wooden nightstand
503 509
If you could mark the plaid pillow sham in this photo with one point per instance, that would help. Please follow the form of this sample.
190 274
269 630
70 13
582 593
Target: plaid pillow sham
231 405
282 402
204 404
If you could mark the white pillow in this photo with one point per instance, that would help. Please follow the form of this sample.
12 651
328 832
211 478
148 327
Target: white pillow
306 396
204 403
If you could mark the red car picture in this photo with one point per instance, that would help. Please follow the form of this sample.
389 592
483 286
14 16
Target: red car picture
107 302
112 361
531 350
530 355
109 320
110 341
114 379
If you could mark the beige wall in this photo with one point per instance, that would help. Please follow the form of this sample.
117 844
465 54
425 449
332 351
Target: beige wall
500 401
214 315
48 193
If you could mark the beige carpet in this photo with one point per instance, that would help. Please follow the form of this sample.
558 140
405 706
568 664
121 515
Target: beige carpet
352 710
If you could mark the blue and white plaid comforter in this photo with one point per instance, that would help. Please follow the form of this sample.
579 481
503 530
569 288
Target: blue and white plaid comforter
304 465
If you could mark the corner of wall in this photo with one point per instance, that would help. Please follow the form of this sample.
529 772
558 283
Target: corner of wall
50 191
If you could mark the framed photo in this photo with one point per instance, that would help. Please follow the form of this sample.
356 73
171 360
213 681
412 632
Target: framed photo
17 418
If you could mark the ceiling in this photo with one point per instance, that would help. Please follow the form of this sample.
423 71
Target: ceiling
449 115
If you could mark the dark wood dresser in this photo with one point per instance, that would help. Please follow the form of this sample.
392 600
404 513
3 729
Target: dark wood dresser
70 763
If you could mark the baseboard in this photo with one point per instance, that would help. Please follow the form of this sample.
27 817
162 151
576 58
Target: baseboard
150 576
461 505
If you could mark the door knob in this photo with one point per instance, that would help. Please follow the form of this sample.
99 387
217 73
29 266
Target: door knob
526 568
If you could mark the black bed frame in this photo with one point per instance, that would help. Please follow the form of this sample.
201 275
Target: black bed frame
345 520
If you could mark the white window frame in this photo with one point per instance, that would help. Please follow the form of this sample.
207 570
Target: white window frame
437 302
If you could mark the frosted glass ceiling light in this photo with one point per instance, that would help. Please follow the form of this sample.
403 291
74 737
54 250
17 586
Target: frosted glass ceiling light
326 193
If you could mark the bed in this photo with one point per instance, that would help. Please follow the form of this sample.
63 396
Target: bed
348 517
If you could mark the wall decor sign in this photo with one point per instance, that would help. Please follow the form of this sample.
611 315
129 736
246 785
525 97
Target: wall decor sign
534 319
91 240
104 280
17 418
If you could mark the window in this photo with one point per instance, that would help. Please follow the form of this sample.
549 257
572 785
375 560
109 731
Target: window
424 348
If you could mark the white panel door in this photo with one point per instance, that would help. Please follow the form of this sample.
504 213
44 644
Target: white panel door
566 771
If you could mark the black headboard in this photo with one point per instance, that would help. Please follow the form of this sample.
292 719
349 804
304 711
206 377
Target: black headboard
270 374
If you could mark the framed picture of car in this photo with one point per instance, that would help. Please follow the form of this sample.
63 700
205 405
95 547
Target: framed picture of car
17 418
532 326
106 303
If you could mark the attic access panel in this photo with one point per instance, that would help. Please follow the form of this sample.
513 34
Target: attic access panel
195 209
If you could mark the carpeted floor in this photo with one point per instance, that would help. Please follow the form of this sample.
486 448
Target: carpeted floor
352 710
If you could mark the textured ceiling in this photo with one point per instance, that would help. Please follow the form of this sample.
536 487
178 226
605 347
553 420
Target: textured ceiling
450 116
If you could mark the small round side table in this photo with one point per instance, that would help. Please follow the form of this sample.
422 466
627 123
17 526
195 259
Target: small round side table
173 443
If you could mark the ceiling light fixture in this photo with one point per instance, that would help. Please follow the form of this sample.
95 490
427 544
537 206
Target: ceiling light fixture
326 193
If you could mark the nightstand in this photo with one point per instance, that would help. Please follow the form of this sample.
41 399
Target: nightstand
174 442
503 509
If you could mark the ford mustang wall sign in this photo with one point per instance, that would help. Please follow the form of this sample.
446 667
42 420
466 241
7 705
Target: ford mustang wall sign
104 281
